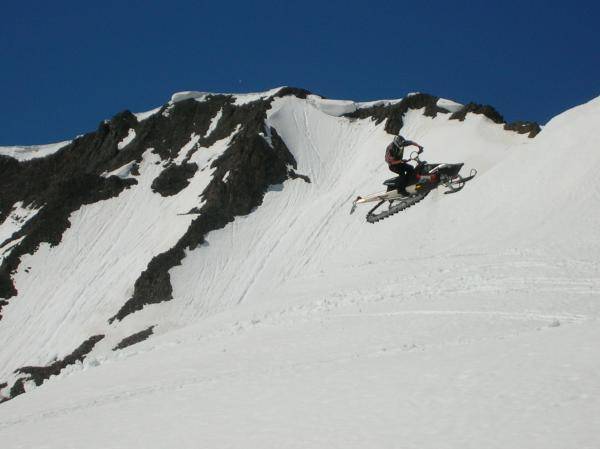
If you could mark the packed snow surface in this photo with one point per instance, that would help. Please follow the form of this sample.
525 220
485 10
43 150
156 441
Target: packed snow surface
468 321
33 151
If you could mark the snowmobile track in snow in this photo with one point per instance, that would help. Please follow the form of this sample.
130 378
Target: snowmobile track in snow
404 204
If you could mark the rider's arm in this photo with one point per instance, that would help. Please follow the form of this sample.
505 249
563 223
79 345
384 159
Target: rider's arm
414 144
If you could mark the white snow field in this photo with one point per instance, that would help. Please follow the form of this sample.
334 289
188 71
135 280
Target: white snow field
467 321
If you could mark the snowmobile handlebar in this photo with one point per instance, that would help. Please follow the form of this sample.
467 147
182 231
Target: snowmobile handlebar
414 156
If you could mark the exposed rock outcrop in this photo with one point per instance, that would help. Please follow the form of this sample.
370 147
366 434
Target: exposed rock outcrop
394 112
174 179
530 128
63 182
474 108
38 374
134 338
253 165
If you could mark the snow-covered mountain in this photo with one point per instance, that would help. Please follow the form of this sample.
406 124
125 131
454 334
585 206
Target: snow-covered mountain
190 276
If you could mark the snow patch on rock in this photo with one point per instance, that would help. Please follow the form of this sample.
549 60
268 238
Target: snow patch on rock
338 108
26 153
239 99
127 139
7 247
186 95
370 104
123 172
18 217
205 155
214 123
449 105
141 116
183 153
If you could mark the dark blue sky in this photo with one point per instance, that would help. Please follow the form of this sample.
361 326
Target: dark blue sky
67 65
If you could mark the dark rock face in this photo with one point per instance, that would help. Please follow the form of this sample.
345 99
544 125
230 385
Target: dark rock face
40 373
295 91
63 182
393 113
174 179
59 198
293 175
474 108
135 338
60 184
530 128
17 388
253 165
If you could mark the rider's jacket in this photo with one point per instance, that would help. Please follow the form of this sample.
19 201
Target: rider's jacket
394 155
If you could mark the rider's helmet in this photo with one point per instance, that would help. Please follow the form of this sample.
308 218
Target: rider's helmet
399 142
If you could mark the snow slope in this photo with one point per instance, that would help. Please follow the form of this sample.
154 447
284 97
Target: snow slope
467 321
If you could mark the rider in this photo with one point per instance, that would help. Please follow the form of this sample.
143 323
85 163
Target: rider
394 154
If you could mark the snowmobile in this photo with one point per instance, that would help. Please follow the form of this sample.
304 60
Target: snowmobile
426 177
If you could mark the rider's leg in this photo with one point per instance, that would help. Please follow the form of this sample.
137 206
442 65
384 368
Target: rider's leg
410 175
407 174
401 180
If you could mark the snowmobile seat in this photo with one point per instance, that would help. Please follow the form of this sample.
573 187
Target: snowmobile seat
391 182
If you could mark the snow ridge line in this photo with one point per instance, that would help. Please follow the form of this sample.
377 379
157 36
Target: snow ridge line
394 113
